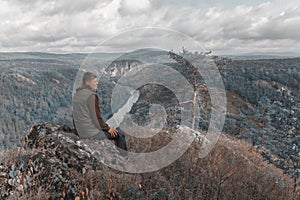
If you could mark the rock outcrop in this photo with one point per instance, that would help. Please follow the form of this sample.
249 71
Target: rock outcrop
52 156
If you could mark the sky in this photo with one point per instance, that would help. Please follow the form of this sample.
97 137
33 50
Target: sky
225 27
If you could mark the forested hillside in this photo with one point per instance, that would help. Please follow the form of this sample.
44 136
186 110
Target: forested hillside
34 87
262 99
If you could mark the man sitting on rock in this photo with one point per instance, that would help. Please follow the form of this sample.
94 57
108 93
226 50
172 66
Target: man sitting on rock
87 115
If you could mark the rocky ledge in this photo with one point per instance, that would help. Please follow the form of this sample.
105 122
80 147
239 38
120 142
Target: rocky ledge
52 156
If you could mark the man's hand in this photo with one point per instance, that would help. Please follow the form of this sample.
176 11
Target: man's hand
113 132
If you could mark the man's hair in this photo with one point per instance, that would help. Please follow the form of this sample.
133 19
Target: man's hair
87 76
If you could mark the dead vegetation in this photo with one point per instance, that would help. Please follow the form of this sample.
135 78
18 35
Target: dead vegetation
233 170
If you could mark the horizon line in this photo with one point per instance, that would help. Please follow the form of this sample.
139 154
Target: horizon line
250 53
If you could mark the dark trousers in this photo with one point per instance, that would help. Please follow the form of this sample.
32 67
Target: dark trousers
120 140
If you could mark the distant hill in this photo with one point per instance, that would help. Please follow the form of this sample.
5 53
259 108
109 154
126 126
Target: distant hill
262 55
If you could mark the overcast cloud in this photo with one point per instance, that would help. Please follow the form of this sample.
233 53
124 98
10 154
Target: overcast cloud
79 26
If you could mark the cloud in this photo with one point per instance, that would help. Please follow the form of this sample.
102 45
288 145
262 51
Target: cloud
263 27
75 25
134 7
57 6
286 25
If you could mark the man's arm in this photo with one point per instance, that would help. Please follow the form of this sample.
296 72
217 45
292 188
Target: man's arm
93 104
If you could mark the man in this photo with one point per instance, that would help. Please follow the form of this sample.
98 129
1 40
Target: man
87 115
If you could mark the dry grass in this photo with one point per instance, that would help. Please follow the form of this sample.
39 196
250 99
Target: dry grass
232 170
